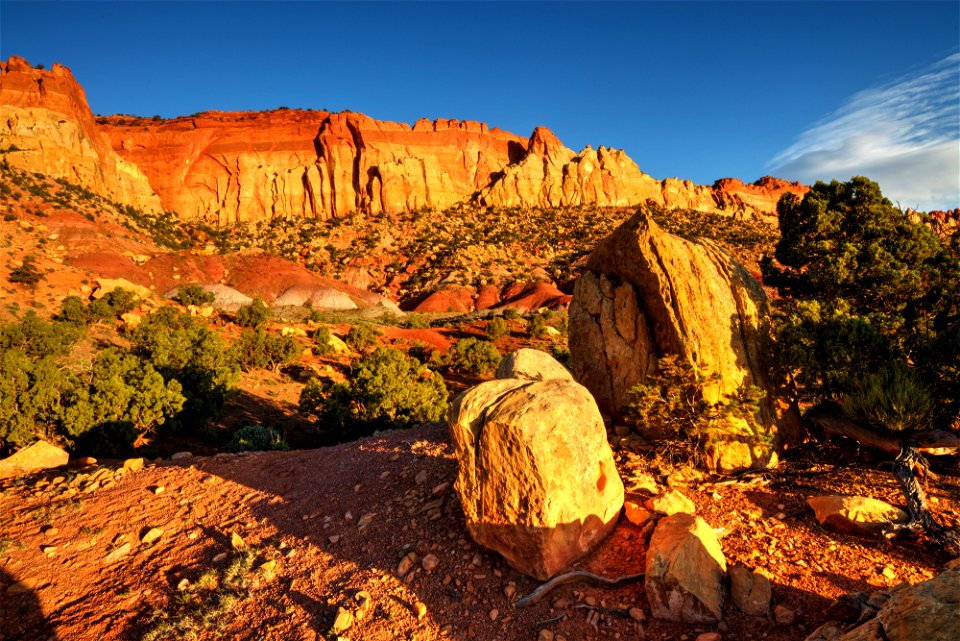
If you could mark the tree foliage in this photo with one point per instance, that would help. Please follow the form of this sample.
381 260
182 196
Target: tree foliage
471 355
194 295
384 390
253 315
863 286
257 349
497 328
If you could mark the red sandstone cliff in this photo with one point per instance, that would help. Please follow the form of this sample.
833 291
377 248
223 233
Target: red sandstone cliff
232 167
46 126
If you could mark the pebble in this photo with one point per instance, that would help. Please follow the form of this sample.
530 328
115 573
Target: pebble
117 553
157 489
637 615
342 622
545 635
440 489
153 534
334 539
181 455
889 572
220 557
420 609
237 542
48 549
430 562
494 613
421 477
183 585
709 636
783 615
406 563
24 585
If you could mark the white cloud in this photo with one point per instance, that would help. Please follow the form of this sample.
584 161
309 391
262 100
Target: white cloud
905 135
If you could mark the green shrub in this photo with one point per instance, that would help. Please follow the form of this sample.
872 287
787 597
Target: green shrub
893 399
362 337
257 349
472 355
183 348
497 328
253 315
114 305
537 326
384 390
257 438
511 313
416 321
322 345
194 295
27 273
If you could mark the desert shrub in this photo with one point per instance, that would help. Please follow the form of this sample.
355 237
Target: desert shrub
257 438
384 390
321 341
254 314
471 355
118 403
362 337
511 313
183 348
537 326
497 328
670 404
421 351
27 273
893 399
255 348
194 295
416 321
562 355
115 304
73 310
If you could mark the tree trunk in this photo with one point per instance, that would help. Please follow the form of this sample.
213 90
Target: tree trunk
920 517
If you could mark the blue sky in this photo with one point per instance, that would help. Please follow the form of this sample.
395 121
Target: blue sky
800 90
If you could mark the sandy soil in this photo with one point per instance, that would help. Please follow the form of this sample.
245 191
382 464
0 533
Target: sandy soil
319 526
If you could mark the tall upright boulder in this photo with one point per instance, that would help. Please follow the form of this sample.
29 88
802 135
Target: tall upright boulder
537 479
646 294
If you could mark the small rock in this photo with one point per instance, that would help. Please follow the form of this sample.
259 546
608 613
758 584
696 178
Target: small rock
784 615
440 489
49 530
545 635
48 549
117 553
669 503
133 465
364 602
494 613
637 615
183 585
181 455
406 564
889 572
237 542
709 636
157 489
430 562
510 591
22 586
334 539
421 477
151 535
420 609
636 514
365 520
220 557
342 622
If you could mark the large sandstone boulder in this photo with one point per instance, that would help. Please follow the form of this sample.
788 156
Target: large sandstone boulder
532 364
537 479
927 611
646 294
37 456
685 571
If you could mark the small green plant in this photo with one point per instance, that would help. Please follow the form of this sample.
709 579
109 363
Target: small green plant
511 313
27 273
257 438
362 337
416 321
194 295
322 345
472 355
497 328
253 315
893 399
537 326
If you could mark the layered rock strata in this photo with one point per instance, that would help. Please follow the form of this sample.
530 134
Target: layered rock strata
46 126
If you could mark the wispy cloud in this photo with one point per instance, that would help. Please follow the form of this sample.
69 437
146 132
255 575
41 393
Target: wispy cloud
905 135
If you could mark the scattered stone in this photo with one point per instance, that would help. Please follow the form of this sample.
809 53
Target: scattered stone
670 502
421 477
364 602
533 365
334 539
784 615
49 550
151 535
181 455
889 572
708 636
493 614
406 563
563 493
636 514
685 571
440 489
429 563
750 591
855 514
237 542
157 489
21 587
420 609
365 520
342 622
37 456
545 635
117 553
510 590
637 614
83 461
49 530
219 557
133 465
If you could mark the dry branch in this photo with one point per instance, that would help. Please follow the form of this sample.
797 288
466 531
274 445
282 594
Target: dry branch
572 577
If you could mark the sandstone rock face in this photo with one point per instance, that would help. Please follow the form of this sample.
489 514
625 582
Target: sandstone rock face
929 610
37 456
855 514
685 571
646 294
537 479
532 365
45 115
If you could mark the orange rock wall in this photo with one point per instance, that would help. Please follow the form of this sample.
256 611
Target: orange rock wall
45 116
